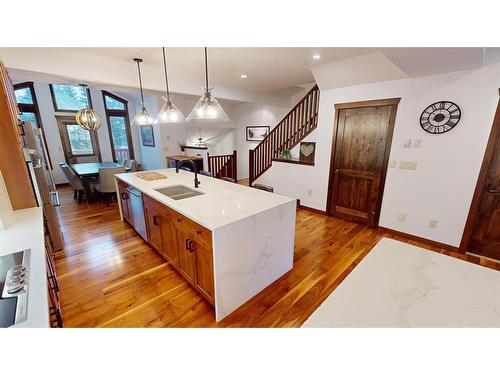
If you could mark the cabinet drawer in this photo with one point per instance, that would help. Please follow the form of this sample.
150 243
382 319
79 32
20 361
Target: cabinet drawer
198 232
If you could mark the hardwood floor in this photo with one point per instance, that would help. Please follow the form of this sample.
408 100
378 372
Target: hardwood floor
109 277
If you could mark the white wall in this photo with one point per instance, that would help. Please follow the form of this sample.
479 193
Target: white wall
249 114
51 129
442 186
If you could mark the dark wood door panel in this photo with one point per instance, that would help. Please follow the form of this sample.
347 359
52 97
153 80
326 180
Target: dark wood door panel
360 150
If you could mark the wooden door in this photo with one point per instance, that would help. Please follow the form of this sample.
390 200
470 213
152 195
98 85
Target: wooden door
484 217
169 239
153 225
360 153
204 269
124 200
79 145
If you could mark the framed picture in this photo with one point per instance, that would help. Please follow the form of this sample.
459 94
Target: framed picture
257 133
307 150
148 136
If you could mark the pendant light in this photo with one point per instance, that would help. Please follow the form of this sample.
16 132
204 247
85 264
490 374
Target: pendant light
208 108
169 113
87 118
142 117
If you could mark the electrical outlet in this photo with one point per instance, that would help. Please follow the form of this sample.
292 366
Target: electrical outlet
402 216
409 165
417 142
392 164
433 223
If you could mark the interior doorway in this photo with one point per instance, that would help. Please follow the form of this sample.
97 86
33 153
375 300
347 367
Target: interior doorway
482 230
361 144
79 145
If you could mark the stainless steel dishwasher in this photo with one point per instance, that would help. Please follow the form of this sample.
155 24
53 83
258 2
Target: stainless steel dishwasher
137 209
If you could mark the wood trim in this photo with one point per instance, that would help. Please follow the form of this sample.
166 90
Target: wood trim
411 237
393 102
293 161
118 113
481 181
315 210
54 103
195 148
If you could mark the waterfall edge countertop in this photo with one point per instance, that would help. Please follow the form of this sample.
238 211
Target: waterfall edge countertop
221 203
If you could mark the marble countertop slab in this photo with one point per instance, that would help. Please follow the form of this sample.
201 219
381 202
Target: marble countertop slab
221 204
400 285
24 230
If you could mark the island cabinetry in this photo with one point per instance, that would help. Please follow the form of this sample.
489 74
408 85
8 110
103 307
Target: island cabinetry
184 243
124 196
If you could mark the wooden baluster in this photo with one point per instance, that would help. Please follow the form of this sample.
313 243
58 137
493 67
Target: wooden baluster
235 166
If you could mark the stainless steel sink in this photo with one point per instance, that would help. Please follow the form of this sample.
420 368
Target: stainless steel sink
179 192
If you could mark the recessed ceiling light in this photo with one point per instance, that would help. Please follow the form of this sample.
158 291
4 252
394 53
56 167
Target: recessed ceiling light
244 76
316 56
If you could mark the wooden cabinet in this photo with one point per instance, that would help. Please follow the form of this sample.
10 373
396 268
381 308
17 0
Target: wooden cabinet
182 242
125 202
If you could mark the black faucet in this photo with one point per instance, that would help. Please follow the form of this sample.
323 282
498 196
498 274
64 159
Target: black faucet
196 181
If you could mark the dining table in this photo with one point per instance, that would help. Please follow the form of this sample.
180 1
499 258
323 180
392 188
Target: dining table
88 173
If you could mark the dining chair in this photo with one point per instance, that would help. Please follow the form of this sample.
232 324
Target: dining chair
107 186
228 179
121 161
132 164
263 187
74 181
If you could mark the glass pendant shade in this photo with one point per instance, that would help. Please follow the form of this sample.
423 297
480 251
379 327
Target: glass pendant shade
208 109
142 117
88 119
169 113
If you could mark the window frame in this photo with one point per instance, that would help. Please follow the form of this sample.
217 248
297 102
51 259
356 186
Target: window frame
54 102
118 113
32 108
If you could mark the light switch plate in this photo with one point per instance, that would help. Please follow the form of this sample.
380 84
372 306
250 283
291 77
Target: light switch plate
407 143
392 164
433 223
409 165
402 216
417 142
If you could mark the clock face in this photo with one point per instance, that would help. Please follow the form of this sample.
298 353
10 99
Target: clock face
440 117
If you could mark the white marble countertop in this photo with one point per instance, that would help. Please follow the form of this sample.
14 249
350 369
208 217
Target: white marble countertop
400 285
24 230
221 204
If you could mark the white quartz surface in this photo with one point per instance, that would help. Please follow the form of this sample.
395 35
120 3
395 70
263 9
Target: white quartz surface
24 230
400 285
222 202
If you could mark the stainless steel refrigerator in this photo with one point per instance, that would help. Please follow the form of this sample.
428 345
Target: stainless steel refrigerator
37 161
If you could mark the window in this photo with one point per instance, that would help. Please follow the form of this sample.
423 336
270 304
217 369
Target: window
80 141
118 126
28 107
67 98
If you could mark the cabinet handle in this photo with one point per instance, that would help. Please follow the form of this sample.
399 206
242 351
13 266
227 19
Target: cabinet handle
124 196
155 220
178 220
189 245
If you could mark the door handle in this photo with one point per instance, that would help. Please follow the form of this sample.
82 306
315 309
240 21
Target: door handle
337 171
124 196
155 220
492 191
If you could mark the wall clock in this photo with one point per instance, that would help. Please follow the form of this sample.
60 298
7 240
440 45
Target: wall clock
440 117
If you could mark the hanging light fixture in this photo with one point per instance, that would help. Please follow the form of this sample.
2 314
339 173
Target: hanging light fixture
208 108
142 117
87 118
169 112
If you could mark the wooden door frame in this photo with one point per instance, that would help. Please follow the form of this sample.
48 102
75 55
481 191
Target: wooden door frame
481 181
393 103
60 124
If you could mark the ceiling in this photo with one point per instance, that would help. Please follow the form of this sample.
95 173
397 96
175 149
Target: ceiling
272 72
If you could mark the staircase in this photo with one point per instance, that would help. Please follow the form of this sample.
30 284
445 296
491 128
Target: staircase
295 126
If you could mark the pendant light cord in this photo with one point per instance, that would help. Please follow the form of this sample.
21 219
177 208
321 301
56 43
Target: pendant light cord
166 76
206 69
140 80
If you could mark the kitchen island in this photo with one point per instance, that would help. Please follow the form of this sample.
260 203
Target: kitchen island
229 241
